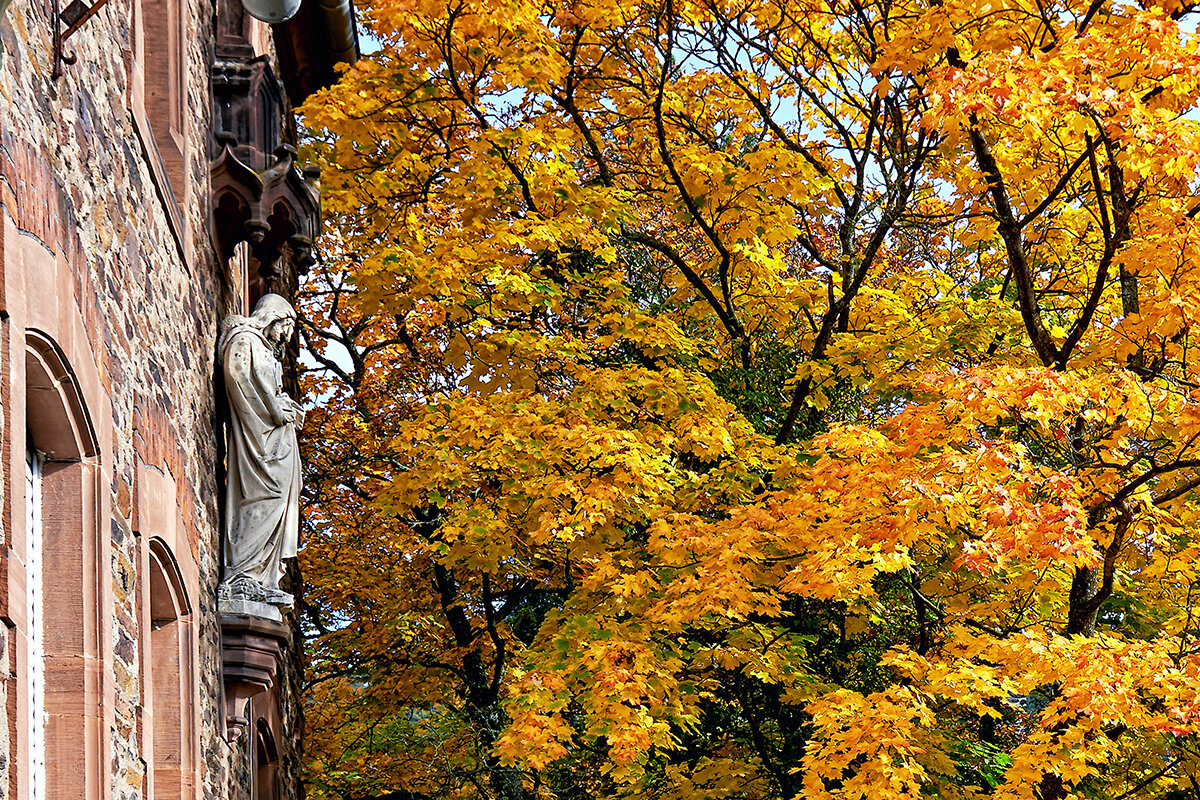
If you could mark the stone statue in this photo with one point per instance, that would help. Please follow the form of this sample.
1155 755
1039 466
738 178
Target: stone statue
262 497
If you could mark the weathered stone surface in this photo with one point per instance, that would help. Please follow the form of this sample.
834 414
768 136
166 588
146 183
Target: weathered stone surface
262 493
83 187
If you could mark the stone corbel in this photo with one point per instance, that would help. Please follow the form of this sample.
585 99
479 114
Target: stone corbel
277 211
251 657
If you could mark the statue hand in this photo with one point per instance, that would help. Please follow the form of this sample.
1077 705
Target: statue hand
296 413
284 414
289 412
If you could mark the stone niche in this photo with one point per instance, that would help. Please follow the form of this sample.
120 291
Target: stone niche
267 207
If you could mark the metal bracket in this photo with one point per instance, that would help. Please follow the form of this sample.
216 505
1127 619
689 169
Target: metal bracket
73 16
3 8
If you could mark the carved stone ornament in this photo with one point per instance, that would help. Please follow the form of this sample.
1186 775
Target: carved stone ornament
262 495
277 210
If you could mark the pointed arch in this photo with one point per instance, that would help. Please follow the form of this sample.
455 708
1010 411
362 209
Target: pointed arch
57 415
168 590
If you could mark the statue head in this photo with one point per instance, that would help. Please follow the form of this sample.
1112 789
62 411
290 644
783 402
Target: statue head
276 318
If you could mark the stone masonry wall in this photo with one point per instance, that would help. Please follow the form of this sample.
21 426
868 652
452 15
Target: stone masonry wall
76 176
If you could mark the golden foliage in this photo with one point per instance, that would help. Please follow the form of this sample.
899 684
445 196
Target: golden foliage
756 400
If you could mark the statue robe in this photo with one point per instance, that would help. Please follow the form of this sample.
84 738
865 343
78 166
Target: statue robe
262 497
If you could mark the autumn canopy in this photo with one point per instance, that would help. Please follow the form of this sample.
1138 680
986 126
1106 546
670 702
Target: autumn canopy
757 399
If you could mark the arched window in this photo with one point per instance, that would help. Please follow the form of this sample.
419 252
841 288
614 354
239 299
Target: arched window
266 762
62 555
35 659
168 671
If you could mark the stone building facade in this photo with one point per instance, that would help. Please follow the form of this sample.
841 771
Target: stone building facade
148 188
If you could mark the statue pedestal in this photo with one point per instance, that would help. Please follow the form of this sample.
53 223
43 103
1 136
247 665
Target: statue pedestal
239 607
252 643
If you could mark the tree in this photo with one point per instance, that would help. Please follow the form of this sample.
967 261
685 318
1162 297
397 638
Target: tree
758 399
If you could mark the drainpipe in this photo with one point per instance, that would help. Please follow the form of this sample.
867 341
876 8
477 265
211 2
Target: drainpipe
338 19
